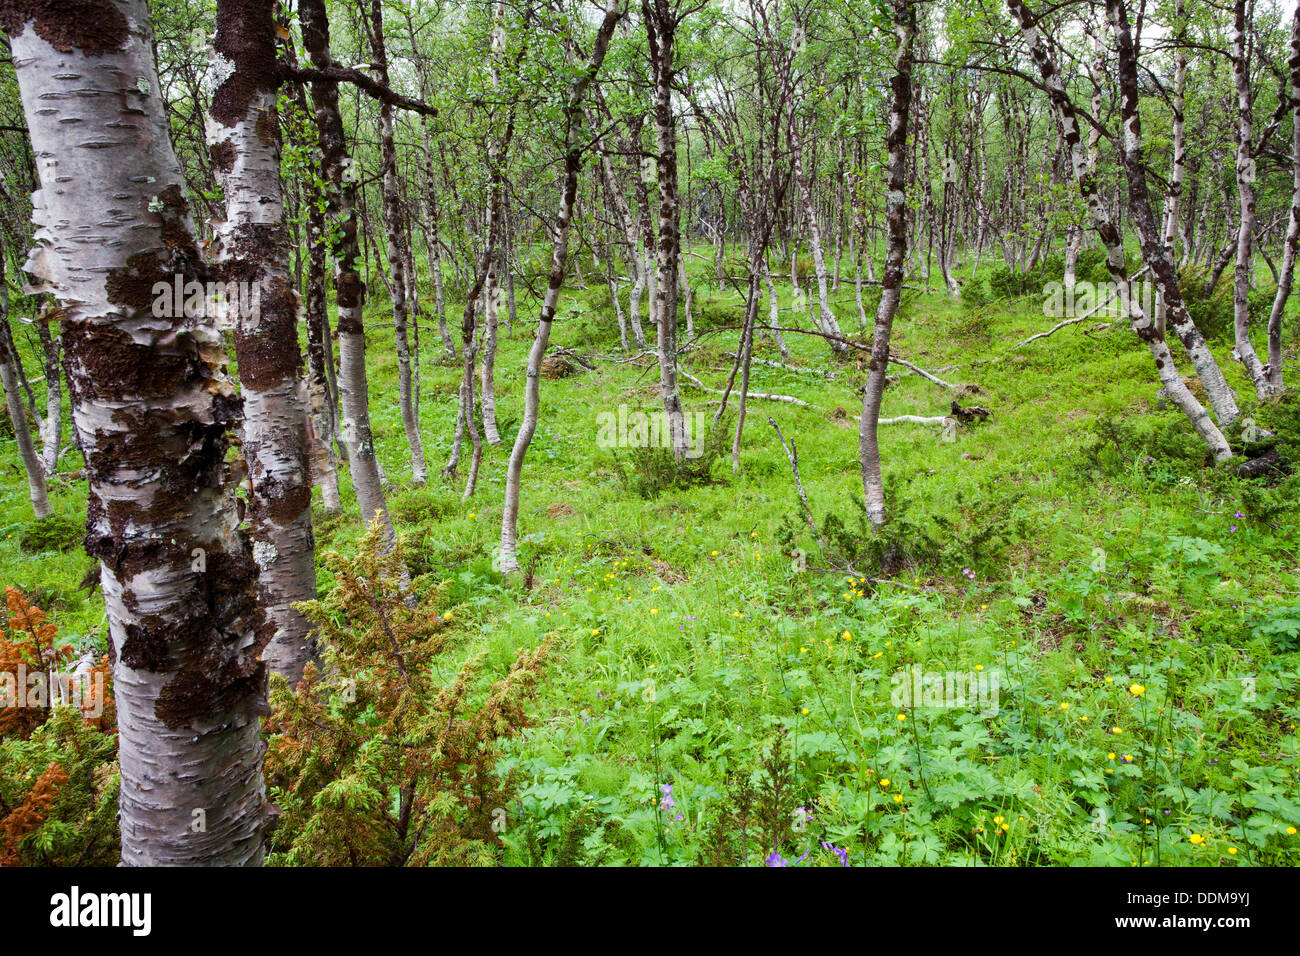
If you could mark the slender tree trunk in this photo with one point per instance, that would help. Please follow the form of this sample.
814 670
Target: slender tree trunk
891 287
153 409
774 313
322 397
36 489
1286 270
1245 350
252 247
826 320
51 426
1180 152
631 249
509 561
395 234
433 241
496 210
324 407
661 27
349 290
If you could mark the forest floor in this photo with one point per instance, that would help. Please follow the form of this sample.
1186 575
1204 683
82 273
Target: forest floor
1128 615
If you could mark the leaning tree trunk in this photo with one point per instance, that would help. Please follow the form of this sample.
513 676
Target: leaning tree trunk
349 290
1082 164
661 26
1154 253
509 561
153 408
398 257
251 251
1245 169
51 427
36 489
1286 270
891 282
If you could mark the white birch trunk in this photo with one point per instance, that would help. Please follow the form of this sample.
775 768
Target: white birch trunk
152 407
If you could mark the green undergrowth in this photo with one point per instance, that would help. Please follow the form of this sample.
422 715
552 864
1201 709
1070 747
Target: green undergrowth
721 688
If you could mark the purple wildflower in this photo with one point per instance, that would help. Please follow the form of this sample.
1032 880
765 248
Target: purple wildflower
838 851
666 801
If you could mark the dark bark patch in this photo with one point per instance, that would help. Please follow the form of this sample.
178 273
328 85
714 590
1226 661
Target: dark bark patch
245 37
145 647
177 233
268 128
132 285
94 27
223 155
349 290
218 672
195 694
281 501
106 359
270 355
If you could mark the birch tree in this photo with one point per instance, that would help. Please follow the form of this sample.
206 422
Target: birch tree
1220 395
251 250
152 407
398 252
573 150
32 465
349 290
891 282
661 22
1082 165
1245 174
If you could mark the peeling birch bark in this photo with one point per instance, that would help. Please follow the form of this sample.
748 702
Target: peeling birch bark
152 407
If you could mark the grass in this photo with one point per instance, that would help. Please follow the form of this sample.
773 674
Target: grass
712 700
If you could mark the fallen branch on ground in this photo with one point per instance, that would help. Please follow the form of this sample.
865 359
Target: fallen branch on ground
787 399
1075 321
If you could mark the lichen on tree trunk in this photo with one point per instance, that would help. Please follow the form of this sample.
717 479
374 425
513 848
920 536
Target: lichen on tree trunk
152 407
